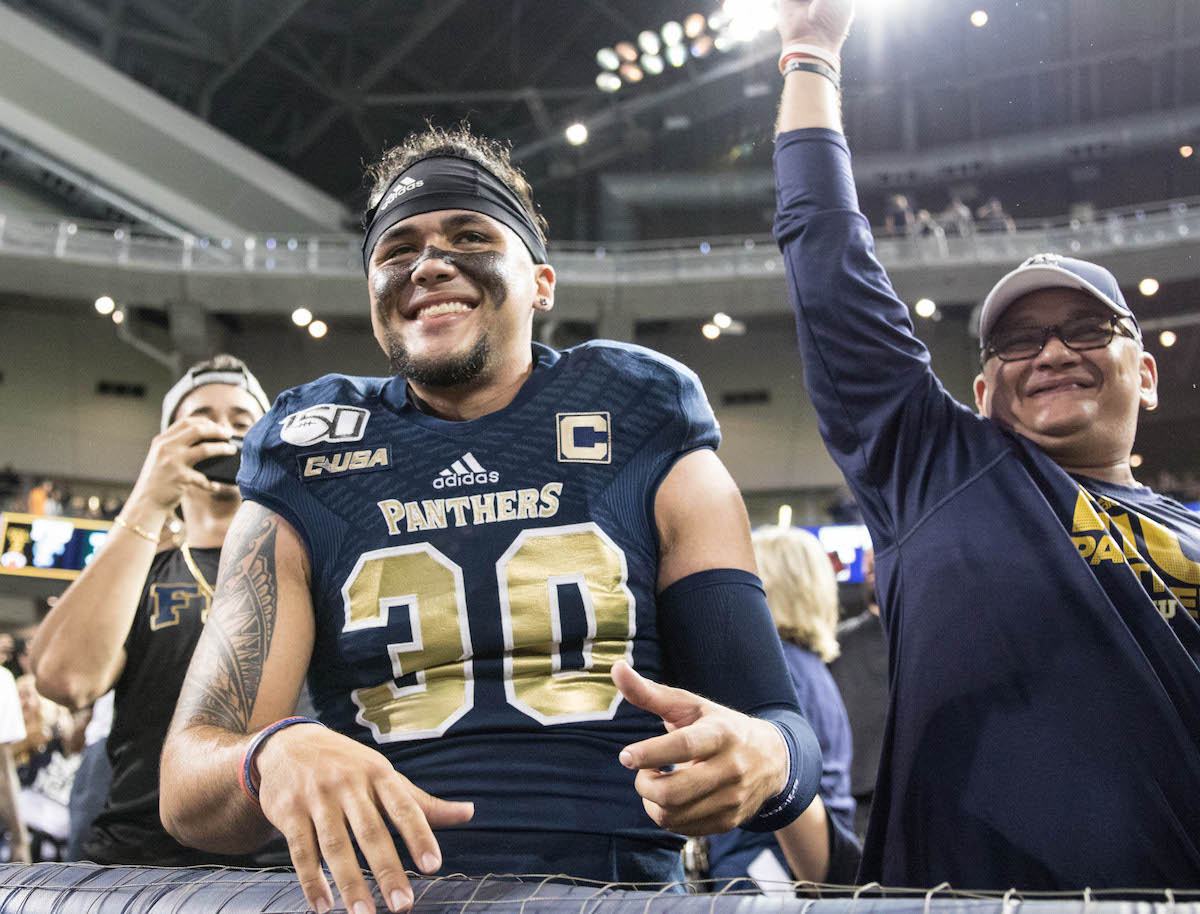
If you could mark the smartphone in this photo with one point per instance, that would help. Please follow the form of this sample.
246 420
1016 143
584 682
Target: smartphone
225 467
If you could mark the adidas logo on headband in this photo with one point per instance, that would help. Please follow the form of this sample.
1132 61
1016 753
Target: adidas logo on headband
406 184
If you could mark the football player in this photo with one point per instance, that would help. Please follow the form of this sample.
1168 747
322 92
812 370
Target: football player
487 565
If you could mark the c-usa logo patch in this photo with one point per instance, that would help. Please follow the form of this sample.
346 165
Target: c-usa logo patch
324 422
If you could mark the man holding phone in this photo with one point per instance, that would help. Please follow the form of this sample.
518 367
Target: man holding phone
131 620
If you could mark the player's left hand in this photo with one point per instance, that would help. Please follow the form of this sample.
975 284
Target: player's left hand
727 764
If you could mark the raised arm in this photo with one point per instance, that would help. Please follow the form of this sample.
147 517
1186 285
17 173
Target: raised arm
319 788
900 440
79 650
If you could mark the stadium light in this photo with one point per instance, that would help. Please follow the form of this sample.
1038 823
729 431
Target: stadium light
626 51
785 516
631 73
1148 286
105 304
318 329
576 134
1135 460
649 42
302 317
118 317
653 64
694 25
672 34
1186 151
607 58
925 307
711 331
722 320
979 19
1167 338
608 82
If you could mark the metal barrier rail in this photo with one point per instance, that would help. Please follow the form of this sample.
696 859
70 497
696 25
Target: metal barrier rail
642 263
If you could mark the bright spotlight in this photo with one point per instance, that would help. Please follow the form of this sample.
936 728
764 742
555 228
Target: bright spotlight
608 59
649 42
785 516
118 317
979 19
302 317
693 25
105 305
608 82
702 46
626 51
1186 151
925 307
576 134
1167 338
712 331
672 34
318 329
1135 460
653 64
1148 286
722 320
631 73
677 55
747 18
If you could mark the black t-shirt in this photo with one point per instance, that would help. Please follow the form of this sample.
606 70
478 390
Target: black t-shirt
169 620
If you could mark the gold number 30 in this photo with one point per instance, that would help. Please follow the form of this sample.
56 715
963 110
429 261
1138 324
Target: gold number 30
426 585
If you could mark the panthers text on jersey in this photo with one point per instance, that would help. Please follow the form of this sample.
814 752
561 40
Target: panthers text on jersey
474 582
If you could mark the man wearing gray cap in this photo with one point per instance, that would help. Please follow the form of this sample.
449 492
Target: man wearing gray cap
131 621
1041 606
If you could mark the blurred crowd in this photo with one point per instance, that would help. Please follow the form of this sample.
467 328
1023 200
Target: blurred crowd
28 494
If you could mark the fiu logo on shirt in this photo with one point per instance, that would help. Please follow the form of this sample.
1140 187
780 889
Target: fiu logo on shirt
324 422
341 462
584 438
169 601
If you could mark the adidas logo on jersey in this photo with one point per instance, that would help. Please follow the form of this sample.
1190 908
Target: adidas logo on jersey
465 471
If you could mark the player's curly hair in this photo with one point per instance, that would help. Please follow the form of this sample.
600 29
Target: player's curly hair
801 588
455 141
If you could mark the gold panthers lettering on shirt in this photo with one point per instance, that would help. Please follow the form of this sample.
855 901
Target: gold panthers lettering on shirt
469 510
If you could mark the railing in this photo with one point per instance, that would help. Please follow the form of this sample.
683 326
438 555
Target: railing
1147 226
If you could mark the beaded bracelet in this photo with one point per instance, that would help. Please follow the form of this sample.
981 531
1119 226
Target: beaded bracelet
245 770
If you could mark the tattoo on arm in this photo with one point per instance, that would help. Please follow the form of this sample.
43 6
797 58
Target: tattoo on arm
233 649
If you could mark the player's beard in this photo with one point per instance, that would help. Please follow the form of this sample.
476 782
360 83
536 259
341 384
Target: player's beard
451 371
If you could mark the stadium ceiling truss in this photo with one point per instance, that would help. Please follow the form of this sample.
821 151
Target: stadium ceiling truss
321 85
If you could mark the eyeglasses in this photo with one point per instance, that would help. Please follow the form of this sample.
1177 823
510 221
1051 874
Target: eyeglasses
1078 334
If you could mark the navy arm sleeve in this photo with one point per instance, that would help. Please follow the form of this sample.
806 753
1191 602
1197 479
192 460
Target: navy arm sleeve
901 441
719 641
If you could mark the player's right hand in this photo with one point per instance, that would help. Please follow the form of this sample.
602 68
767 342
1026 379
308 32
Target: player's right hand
320 789
825 23
169 468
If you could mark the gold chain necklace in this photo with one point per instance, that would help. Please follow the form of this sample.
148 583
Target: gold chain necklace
205 587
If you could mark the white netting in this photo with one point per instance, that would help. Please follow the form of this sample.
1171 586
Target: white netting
82 888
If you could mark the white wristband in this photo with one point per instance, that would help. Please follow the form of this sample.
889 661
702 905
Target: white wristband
824 55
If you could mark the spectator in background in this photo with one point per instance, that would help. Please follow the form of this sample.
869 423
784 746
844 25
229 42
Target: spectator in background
991 217
12 733
932 235
956 218
898 218
131 620
94 777
39 496
801 587
10 485
861 674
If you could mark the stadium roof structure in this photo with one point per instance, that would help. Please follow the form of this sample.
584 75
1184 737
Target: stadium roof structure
316 87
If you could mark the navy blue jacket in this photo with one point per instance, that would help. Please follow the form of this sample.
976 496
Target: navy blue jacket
1044 721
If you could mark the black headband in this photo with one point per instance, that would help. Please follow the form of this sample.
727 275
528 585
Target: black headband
450 182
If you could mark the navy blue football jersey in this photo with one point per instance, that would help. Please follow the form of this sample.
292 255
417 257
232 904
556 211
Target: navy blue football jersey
474 582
